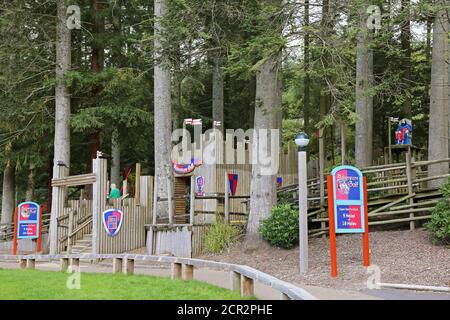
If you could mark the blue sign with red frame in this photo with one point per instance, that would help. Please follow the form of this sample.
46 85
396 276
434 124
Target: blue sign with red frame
28 223
112 221
348 193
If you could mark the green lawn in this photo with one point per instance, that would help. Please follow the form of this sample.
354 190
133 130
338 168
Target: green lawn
47 285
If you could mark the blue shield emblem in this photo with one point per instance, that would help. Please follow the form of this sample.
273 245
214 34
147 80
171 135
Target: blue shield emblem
112 221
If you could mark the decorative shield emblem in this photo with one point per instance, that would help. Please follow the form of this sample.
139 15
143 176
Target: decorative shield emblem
112 221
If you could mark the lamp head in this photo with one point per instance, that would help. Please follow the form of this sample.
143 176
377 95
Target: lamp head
302 141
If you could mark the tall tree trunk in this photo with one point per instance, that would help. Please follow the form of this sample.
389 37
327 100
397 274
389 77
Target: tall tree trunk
263 190
62 107
438 131
115 161
162 114
405 37
31 183
217 91
364 101
8 195
307 79
97 63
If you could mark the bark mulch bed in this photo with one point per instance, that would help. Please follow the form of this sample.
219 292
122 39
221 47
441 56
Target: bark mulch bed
407 257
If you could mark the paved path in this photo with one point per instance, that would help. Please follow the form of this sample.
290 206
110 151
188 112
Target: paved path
263 292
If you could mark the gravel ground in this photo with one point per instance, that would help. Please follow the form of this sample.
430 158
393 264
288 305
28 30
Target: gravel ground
406 257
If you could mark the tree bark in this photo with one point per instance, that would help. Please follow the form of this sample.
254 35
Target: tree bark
439 115
29 196
364 101
62 95
217 91
115 161
62 107
405 37
8 194
263 190
162 114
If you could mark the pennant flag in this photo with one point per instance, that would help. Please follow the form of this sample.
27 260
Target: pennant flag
233 180
217 123
196 122
188 121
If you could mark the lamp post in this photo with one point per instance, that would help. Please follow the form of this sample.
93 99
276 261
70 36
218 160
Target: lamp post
302 141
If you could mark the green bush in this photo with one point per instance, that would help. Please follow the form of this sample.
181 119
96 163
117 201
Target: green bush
281 228
220 236
439 226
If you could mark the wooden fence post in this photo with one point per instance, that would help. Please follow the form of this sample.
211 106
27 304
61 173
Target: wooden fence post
64 264
247 287
235 281
31 264
129 266
137 189
176 270
188 272
22 263
226 199
192 201
117 265
410 185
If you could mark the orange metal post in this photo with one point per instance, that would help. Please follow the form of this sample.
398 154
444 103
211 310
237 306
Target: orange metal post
39 239
15 232
366 253
332 230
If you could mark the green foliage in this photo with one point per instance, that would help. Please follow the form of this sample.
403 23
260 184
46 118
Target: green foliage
439 226
220 236
281 228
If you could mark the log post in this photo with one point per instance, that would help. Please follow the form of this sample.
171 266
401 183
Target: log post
188 272
226 199
176 271
31 263
235 281
117 265
22 263
64 264
137 192
129 266
409 177
75 264
247 287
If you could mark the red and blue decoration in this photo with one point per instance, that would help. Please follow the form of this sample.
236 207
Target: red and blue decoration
279 182
112 221
186 168
348 200
403 133
233 180
28 220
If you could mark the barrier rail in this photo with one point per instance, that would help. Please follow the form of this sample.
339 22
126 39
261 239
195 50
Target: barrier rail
241 277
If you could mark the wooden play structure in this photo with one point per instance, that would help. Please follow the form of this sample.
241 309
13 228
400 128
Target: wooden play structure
78 223
398 195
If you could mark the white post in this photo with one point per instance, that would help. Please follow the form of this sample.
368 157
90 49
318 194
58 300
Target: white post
303 211
226 199
192 201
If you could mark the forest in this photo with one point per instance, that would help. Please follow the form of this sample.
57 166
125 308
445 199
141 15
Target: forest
82 76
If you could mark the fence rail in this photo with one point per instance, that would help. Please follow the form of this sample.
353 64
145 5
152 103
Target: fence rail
242 277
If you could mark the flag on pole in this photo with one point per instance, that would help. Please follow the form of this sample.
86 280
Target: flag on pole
188 121
217 123
196 122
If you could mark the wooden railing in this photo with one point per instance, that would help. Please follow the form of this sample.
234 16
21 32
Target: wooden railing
242 278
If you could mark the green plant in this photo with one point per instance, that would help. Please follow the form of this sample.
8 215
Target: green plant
439 226
281 228
220 236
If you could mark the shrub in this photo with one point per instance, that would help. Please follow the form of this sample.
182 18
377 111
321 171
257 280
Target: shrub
220 236
439 226
281 228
